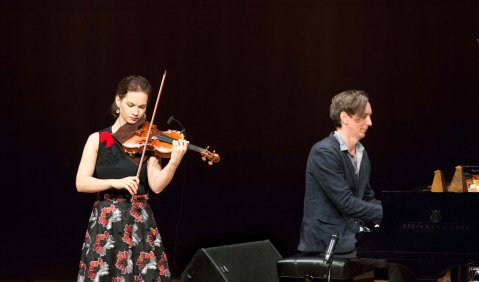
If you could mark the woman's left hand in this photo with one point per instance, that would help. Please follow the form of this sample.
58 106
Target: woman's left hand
180 147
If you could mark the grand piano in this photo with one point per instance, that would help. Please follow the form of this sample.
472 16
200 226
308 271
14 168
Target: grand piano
428 232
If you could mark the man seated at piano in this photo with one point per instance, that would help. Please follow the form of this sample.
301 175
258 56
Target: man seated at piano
338 197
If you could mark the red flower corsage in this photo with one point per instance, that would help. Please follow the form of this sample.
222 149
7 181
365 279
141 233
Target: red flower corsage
108 138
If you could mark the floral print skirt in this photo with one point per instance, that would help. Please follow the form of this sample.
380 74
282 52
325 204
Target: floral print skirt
122 242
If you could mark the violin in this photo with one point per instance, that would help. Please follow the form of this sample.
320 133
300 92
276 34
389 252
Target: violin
160 142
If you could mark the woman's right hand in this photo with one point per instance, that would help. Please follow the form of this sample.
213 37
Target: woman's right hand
129 183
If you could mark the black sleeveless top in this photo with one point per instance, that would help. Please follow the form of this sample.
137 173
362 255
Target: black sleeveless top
113 163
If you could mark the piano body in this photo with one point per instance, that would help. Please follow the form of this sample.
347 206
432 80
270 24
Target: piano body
426 231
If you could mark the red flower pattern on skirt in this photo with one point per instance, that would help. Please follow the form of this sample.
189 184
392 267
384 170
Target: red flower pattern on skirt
81 271
154 237
127 235
114 198
163 265
87 237
139 202
103 242
124 262
146 261
97 268
108 215
138 210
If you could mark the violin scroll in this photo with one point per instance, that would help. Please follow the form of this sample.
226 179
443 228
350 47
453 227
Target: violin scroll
212 157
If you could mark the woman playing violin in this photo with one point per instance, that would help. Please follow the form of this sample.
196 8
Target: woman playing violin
122 242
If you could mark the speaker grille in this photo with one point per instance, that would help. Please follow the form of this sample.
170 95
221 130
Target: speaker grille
245 262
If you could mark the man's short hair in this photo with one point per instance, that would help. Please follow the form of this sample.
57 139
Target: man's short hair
351 102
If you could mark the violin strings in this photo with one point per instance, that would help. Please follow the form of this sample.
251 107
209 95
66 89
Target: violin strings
168 139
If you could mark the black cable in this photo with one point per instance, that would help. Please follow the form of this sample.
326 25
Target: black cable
180 209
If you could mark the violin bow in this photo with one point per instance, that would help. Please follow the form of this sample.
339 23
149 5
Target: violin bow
151 124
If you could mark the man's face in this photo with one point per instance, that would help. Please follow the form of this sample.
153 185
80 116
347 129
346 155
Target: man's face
358 125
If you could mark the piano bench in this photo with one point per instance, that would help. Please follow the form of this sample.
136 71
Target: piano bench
307 268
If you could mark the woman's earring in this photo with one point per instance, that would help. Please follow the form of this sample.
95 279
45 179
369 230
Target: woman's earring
117 110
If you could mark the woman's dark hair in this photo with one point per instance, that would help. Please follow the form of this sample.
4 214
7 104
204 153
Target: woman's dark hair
135 83
351 102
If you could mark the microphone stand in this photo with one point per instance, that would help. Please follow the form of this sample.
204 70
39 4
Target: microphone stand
328 255
330 267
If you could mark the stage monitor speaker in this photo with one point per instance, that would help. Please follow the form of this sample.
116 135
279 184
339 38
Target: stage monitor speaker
245 262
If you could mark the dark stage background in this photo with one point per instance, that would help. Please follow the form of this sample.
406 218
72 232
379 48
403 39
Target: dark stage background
253 79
